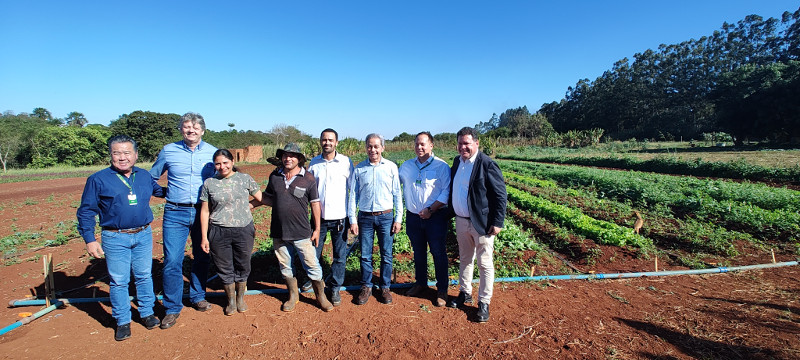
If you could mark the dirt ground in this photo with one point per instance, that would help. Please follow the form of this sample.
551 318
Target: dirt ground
744 315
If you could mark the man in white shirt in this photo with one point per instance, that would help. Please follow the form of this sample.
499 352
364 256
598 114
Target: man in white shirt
426 187
478 199
332 170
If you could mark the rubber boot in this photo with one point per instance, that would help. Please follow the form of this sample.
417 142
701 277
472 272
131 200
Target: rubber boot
319 291
230 291
241 288
294 295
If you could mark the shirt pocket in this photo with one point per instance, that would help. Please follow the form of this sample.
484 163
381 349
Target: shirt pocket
299 192
429 178
363 176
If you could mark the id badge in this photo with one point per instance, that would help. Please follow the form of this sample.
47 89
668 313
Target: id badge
132 199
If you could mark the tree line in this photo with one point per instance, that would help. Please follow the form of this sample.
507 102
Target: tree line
743 79
39 140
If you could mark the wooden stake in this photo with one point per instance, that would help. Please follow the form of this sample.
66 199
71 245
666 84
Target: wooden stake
49 284
656 263
773 255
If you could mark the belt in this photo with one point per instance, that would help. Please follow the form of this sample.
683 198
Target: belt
180 204
126 231
463 217
376 213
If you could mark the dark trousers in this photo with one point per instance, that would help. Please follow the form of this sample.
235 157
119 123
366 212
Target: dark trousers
428 232
231 248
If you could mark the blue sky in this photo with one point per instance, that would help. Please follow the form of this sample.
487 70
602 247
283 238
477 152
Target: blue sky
355 66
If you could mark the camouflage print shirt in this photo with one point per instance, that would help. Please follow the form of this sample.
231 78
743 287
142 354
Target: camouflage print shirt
229 199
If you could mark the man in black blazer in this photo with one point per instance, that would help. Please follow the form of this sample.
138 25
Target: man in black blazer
478 199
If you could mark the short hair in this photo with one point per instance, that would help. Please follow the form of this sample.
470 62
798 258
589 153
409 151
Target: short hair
426 133
195 118
335 134
374 135
466 130
227 154
122 139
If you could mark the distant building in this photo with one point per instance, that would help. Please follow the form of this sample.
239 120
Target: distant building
252 153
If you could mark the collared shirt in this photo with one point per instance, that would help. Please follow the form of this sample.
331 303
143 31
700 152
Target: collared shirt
186 170
375 188
290 203
424 183
461 186
332 184
107 195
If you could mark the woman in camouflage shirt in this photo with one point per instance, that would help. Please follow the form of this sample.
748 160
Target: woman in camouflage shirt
227 226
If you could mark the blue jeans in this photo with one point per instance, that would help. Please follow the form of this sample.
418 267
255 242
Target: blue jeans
126 253
338 230
428 232
368 227
180 223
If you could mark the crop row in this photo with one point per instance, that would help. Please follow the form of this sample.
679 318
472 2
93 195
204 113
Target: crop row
603 231
669 165
665 231
759 210
662 187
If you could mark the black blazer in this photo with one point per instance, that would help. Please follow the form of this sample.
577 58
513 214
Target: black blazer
487 193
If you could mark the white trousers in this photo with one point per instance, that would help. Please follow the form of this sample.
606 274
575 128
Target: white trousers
472 245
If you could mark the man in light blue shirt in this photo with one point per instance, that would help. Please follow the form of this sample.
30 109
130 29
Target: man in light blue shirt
188 163
426 186
374 186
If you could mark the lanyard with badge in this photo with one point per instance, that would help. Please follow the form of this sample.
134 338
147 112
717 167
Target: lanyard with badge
419 170
131 196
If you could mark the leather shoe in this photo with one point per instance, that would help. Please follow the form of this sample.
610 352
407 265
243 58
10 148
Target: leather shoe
461 300
336 298
387 296
150 322
483 312
202 305
364 295
169 320
441 299
417 290
123 332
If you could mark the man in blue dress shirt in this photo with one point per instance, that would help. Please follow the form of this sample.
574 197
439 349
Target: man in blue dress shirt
188 163
374 186
120 195
426 186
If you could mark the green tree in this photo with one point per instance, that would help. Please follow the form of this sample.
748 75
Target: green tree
489 125
404 136
16 134
232 139
42 113
666 92
70 145
76 119
151 130
760 102
283 134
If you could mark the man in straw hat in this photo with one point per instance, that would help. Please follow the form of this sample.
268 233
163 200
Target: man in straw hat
290 192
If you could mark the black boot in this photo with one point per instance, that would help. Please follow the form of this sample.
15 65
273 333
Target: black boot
230 292
241 288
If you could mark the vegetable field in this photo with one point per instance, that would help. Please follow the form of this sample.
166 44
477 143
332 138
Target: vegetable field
691 220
